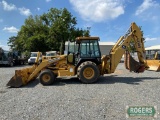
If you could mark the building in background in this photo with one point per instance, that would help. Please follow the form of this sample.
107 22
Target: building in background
150 51
105 47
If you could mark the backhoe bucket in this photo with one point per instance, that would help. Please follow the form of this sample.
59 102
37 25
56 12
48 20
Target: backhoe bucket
21 77
131 64
153 65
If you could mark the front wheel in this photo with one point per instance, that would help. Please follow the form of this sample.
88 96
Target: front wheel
47 77
88 72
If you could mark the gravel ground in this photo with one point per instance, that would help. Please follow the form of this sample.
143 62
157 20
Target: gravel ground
68 99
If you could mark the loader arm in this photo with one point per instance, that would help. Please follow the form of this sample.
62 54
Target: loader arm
135 34
23 76
44 64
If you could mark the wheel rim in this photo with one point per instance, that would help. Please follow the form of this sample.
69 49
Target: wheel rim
88 73
46 78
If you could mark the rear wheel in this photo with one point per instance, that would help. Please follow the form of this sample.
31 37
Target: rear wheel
88 72
47 77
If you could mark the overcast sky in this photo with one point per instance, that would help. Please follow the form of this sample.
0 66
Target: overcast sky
108 19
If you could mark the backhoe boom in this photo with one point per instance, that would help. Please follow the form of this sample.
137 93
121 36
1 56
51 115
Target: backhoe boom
134 35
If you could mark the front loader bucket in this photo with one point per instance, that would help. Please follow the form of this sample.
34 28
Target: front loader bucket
131 64
15 82
153 65
21 77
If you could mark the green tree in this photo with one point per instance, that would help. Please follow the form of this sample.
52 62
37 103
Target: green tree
48 31
62 26
12 42
34 34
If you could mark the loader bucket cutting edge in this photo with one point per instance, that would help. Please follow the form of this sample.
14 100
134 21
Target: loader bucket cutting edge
15 82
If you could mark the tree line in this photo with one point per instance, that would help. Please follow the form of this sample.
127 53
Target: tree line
47 32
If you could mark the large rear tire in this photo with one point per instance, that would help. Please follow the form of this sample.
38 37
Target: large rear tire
88 72
47 77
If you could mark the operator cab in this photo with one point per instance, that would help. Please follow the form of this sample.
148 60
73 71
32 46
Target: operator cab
84 49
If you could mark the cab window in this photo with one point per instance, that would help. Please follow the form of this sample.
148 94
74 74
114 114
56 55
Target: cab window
89 48
71 47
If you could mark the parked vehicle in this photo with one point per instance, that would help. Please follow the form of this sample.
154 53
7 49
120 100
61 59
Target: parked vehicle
11 58
49 55
33 57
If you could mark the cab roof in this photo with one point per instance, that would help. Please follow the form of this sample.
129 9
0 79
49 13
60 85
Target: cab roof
87 38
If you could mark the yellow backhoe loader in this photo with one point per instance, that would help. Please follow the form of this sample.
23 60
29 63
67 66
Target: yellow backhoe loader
154 64
84 60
